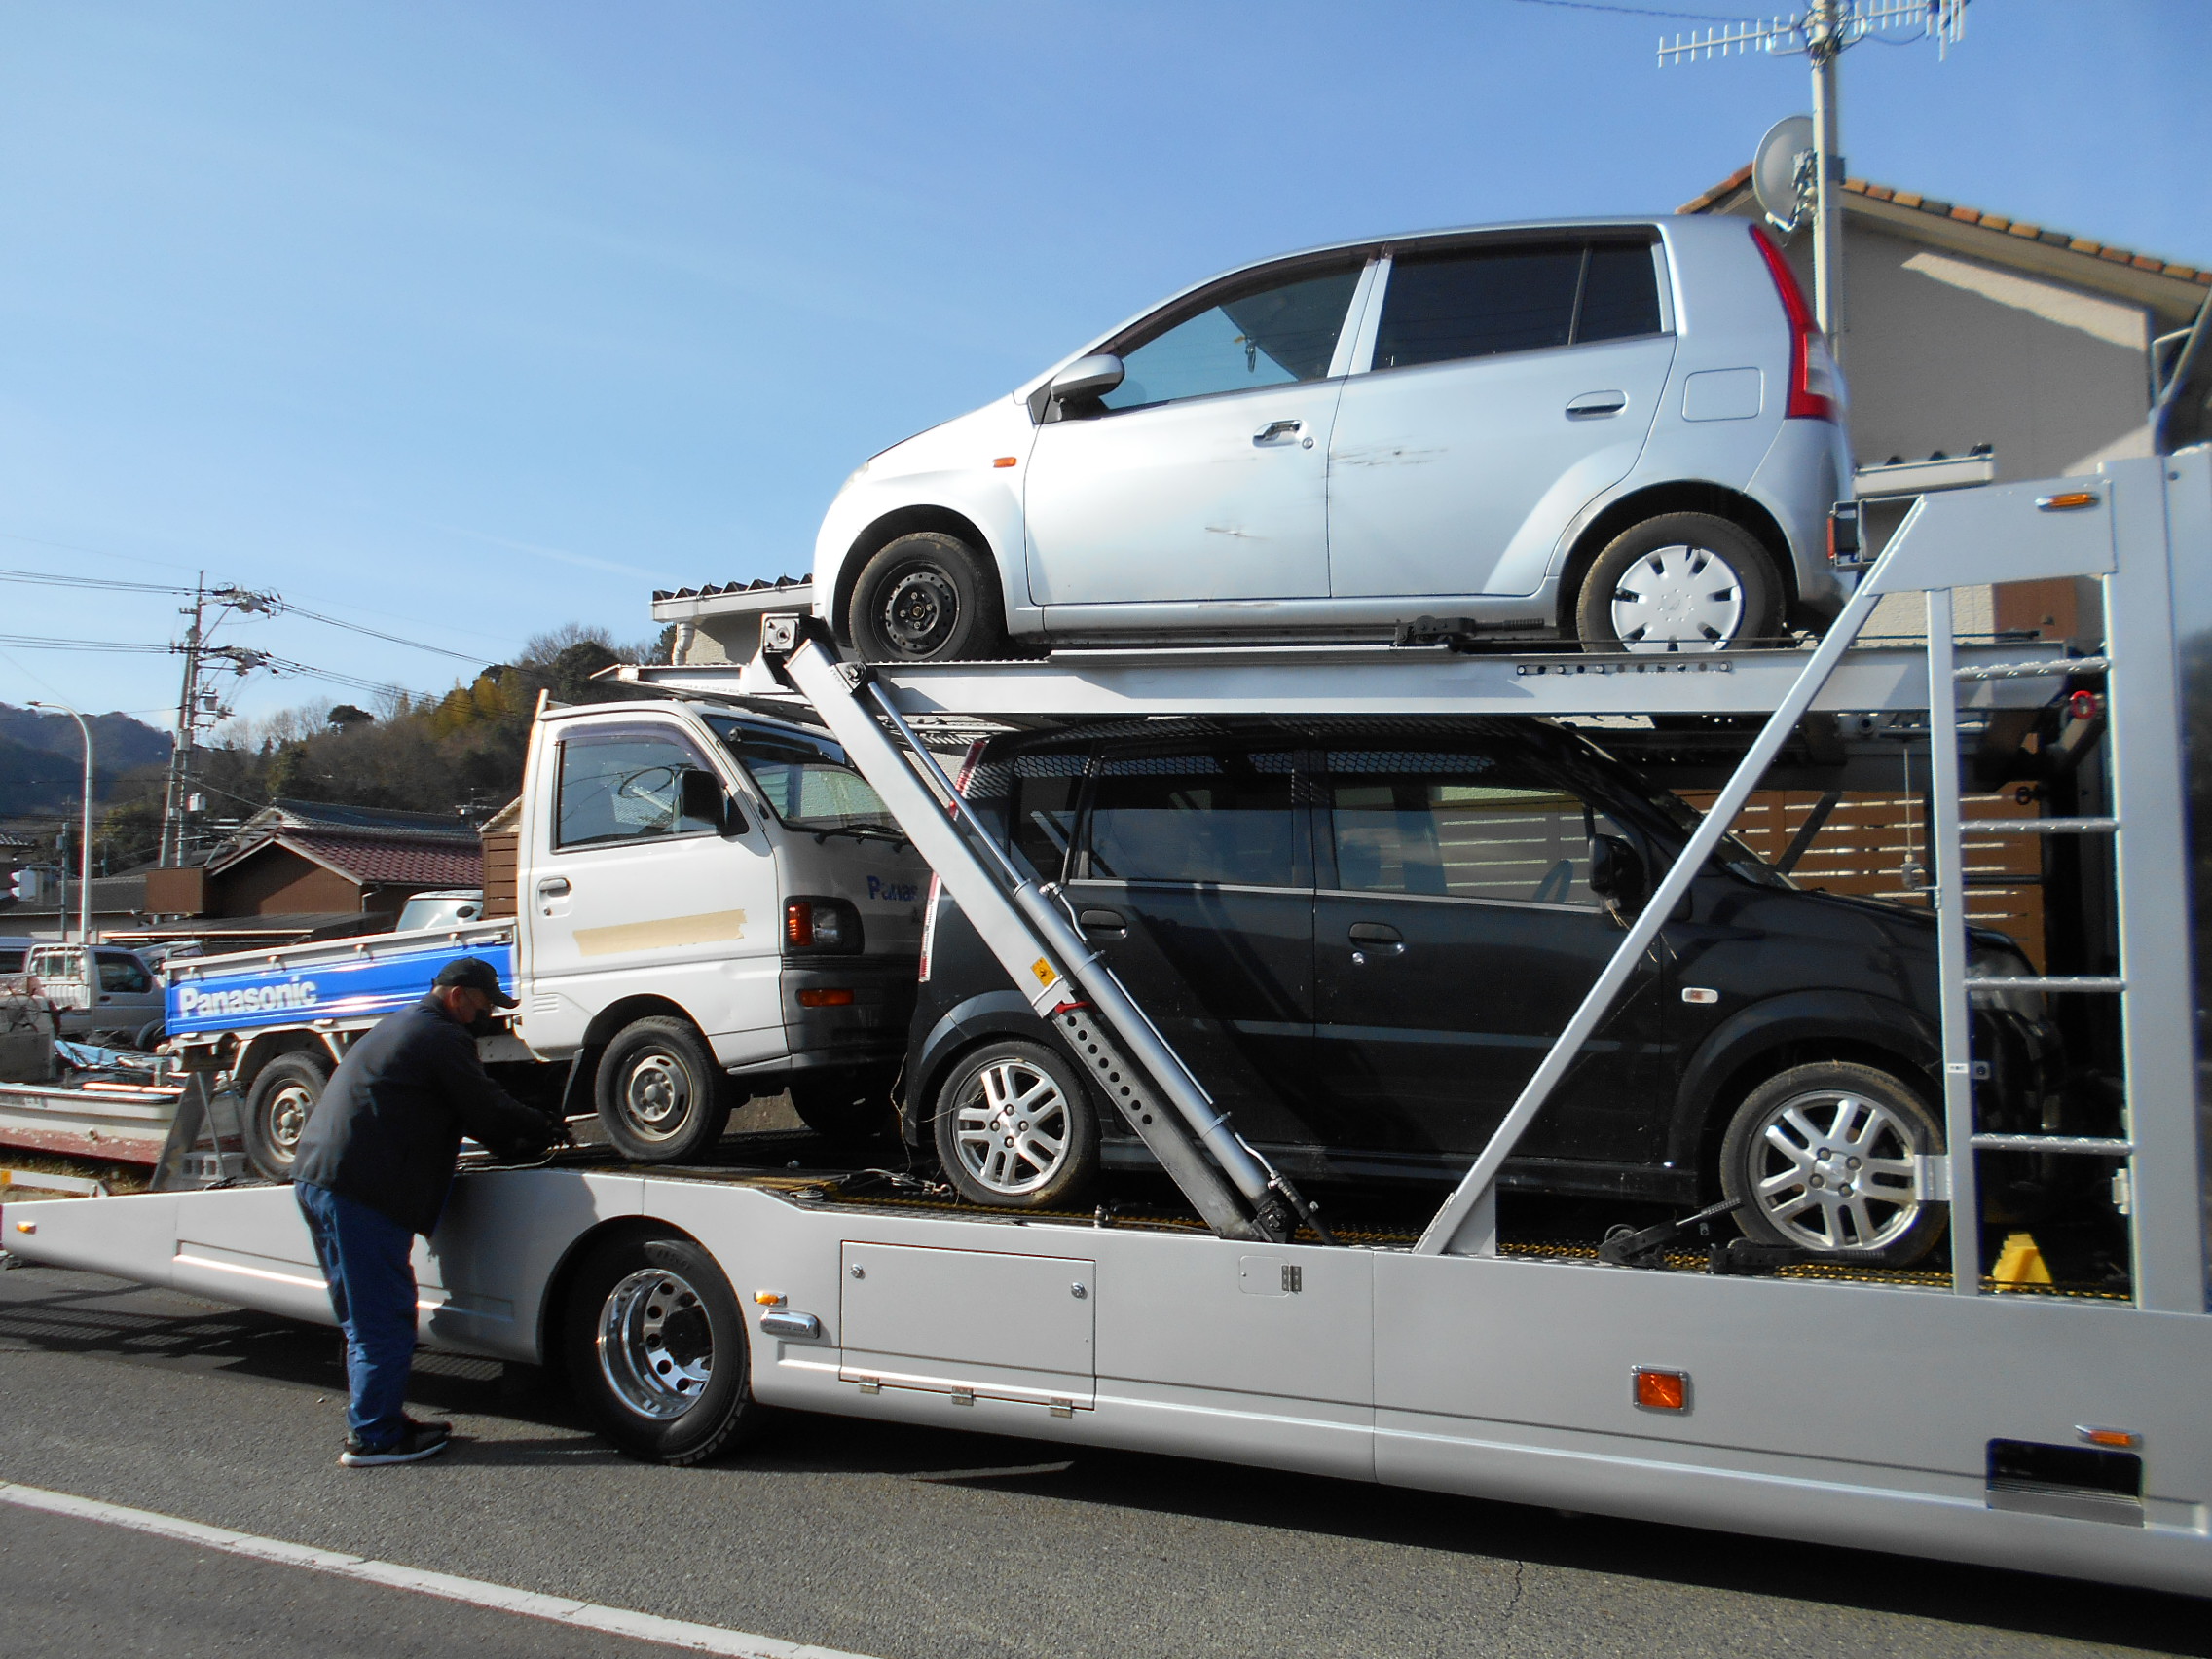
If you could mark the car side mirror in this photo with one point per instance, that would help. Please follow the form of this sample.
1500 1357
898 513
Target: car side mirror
1088 378
1617 874
703 797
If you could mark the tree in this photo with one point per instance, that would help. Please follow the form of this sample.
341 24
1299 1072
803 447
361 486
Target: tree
346 715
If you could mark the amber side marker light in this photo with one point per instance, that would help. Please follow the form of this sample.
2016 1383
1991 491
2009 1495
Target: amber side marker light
1006 460
2119 1439
1660 1390
2067 502
839 998
768 1298
26 1226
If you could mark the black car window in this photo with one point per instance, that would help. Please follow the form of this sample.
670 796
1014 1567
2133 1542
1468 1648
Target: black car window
1217 813
1458 826
124 974
1478 303
1280 330
623 785
1029 803
10 961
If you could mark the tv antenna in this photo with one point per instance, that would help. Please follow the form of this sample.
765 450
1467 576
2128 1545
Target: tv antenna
1809 180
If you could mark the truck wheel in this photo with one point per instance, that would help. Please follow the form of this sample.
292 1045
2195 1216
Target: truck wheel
1823 1157
1015 1128
662 1098
842 1105
1680 583
277 1107
926 598
655 1351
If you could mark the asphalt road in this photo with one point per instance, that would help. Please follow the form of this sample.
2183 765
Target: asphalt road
879 1540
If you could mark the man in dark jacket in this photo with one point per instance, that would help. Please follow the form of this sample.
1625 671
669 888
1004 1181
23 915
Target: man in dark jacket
372 1167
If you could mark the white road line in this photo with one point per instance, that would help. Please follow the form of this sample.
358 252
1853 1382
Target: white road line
584 1615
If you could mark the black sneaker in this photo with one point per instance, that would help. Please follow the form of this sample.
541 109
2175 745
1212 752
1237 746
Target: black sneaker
412 1446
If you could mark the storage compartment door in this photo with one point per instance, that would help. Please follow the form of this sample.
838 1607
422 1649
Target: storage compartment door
972 1322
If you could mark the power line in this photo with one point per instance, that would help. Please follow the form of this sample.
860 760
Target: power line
372 632
1627 11
45 579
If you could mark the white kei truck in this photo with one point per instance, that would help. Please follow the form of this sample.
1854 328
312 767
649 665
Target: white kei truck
701 902
1968 1414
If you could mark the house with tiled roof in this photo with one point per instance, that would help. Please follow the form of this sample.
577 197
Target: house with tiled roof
303 869
2010 349
720 622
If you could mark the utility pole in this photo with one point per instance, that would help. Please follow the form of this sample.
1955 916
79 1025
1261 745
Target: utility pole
195 705
1821 33
84 852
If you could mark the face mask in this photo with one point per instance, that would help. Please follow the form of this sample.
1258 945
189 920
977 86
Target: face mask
481 1025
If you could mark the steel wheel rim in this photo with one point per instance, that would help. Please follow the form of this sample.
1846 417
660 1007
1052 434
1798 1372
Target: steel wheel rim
1832 1171
1013 1127
656 1346
1679 598
287 1116
920 611
658 1096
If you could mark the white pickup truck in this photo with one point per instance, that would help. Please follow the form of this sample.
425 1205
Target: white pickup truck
704 902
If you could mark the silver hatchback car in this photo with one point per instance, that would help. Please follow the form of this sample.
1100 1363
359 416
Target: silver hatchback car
1629 432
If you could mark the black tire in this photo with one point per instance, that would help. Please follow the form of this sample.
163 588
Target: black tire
1821 1157
843 1105
927 597
1717 587
994 1157
284 1092
662 1098
654 1345
148 1037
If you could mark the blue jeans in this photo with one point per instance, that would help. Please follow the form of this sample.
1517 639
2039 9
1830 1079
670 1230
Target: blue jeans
368 1261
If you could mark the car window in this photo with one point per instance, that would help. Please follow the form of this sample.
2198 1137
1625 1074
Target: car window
623 785
1458 826
124 974
1217 813
11 962
1479 303
807 781
1030 802
1273 334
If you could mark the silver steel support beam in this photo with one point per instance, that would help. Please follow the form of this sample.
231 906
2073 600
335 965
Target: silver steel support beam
1947 845
1467 1223
1047 958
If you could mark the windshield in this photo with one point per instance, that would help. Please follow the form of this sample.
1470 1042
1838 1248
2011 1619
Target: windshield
1731 854
806 780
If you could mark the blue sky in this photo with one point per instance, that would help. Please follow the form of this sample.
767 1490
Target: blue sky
465 320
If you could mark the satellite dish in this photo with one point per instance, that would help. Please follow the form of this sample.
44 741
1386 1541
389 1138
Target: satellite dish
1782 170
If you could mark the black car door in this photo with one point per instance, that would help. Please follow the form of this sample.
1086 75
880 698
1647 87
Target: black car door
1455 935
1192 879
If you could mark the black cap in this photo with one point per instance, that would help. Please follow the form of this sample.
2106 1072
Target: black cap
476 975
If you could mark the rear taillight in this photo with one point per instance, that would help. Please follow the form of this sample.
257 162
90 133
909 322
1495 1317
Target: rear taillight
929 928
1816 388
828 925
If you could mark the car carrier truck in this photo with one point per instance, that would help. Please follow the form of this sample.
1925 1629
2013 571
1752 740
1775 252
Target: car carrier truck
1964 1410
701 901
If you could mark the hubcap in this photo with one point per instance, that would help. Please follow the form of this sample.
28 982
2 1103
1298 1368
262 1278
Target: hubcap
1833 1171
920 612
1677 599
1012 1128
657 1096
657 1348
288 1110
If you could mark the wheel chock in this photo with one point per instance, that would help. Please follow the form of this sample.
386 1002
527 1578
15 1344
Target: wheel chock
2020 1262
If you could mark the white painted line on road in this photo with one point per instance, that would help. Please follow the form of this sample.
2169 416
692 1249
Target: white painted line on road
560 1609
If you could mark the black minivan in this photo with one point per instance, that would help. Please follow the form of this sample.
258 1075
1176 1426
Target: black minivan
1362 935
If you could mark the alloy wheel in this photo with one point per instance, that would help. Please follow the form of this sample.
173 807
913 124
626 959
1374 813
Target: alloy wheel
1834 1170
657 1346
1677 599
1012 1126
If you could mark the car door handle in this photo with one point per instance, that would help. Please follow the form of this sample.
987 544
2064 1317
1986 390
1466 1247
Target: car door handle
1274 429
1591 404
553 887
1101 921
1376 936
